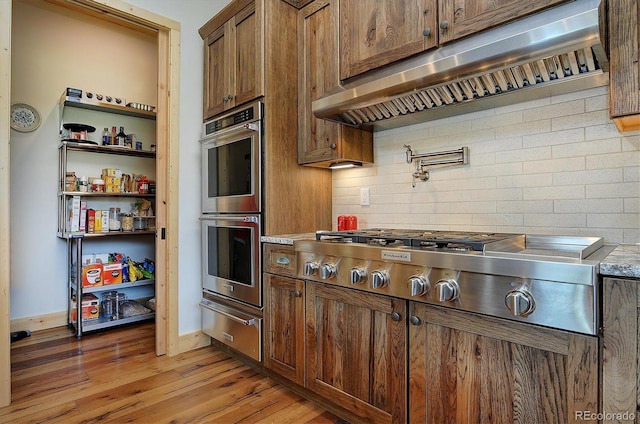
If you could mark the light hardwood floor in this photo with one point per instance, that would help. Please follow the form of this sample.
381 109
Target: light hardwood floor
115 377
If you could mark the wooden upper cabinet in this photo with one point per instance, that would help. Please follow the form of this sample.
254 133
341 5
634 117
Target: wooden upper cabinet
233 57
460 18
624 70
321 142
374 33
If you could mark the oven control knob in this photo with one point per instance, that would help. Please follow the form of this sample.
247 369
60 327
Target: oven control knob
357 275
520 302
379 279
310 268
327 271
447 290
418 285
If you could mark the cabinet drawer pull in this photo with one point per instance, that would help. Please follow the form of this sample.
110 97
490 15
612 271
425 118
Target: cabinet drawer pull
283 260
415 320
396 316
297 293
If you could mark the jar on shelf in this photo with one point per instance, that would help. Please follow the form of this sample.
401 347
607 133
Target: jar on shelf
127 221
114 219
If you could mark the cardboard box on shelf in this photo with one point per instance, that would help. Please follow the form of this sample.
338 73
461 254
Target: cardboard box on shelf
111 274
92 275
90 307
74 214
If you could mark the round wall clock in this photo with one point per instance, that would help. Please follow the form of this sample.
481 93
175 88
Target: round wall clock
24 117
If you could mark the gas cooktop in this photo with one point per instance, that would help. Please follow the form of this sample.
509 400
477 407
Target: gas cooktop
423 239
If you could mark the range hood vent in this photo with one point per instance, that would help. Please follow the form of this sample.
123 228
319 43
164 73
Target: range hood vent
557 51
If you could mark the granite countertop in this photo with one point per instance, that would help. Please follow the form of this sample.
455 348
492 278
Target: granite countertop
287 239
624 261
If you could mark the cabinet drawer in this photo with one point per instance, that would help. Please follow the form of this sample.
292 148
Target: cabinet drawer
236 329
280 259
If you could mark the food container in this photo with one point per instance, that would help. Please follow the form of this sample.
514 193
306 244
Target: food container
127 221
97 185
114 219
139 222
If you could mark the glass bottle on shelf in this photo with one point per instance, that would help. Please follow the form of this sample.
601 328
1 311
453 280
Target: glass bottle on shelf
112 137
121 137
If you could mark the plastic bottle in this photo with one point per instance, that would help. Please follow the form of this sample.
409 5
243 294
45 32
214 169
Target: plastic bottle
105 137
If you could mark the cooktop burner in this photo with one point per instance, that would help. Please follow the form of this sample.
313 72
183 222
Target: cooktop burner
421 239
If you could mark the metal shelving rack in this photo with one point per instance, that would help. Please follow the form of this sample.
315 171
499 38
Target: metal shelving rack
75 240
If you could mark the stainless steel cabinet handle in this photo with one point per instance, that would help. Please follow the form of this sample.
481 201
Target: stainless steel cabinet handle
396 316
415 320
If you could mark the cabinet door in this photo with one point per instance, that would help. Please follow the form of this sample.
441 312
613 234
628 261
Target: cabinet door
322 142
284 326
234 61
624 70
248 70
356 351
374 33
218 67
459 18
468 368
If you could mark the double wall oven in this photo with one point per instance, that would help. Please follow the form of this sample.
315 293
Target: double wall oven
231 224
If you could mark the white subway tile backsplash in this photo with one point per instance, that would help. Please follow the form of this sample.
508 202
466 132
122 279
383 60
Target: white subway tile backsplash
575 163
557 137
551 166
591 205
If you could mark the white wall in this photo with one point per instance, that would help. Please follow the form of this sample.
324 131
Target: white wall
59 53
551 166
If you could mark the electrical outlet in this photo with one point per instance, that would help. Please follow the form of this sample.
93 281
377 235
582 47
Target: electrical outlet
364 196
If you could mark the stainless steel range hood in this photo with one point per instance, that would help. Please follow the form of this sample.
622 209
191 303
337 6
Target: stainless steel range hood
556 51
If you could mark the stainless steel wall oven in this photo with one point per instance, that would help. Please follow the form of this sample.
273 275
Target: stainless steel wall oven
231 226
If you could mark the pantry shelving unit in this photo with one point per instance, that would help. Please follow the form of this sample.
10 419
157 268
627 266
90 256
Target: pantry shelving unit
75 240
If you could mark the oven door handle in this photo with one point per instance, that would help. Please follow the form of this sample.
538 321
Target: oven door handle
209 305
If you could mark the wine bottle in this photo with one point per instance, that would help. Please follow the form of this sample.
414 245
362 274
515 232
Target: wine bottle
121 137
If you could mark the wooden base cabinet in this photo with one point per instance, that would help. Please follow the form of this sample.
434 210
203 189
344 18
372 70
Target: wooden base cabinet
466 368
284 326
620 353
357 351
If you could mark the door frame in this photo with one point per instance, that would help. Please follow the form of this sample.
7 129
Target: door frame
167 124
